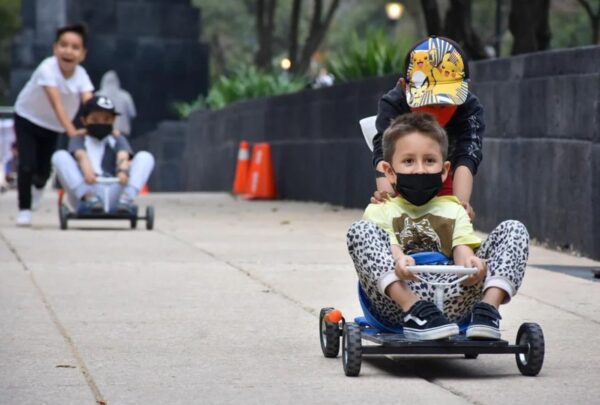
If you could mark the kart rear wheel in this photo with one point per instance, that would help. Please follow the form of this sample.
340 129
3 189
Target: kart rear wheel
329 335
471 356
351 349
149 218
63 212
133 222
530 363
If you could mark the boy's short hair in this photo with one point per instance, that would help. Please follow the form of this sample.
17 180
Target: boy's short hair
423 123
78 28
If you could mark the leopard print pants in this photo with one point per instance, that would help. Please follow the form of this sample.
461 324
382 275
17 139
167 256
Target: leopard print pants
505 250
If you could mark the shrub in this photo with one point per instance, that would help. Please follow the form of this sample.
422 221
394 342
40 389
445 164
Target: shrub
243 84
376 55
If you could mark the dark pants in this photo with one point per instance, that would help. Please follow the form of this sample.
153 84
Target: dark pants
35 146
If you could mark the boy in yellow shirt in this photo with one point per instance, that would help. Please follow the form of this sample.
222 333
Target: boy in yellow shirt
415 152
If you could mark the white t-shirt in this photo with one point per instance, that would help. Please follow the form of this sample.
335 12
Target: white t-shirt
34 105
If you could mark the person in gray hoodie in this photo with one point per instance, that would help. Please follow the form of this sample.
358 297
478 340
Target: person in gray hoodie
110 86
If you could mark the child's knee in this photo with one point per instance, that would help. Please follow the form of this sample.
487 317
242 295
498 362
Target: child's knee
59 157
359 232
145 157
514 227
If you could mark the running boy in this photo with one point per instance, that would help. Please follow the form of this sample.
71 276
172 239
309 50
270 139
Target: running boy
100 153
414 153
46 107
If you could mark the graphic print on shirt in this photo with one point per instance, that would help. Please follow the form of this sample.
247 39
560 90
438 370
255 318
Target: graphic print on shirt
429 233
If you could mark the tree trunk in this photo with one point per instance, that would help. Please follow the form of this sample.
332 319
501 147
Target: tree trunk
529 25
265 26
295 23
318 29
432 17
458 27
594 20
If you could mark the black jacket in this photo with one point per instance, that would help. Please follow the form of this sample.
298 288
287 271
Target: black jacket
465 128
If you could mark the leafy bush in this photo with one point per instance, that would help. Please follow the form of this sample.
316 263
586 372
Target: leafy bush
245 83
376 55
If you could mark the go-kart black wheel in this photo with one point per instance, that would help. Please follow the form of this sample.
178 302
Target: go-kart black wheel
530 363
63 212
329 335
133 222
149 218
351 349
471 356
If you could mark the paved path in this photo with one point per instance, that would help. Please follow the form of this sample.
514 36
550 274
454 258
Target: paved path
219 305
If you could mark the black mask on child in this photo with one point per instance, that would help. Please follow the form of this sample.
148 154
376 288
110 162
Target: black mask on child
99 131
418 189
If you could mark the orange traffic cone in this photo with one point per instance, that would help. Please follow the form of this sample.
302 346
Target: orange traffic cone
144 190
240 183
61 196
262 180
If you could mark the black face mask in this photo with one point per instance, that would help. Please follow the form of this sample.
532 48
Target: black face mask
99 131
418 189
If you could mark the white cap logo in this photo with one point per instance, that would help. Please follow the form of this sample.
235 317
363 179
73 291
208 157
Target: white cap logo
105 103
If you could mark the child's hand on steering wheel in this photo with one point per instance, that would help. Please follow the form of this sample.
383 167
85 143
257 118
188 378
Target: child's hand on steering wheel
401 262
478 277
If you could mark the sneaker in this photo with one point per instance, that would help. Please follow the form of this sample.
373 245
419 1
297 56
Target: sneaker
90 203
424 321
36 197
24 218
485 322
125 204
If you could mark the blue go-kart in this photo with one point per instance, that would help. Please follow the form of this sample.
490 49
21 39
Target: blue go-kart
65 213
389 340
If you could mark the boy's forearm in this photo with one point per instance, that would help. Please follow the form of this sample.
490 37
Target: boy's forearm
396 251
462 183
57 105
83 160
122 160
461 253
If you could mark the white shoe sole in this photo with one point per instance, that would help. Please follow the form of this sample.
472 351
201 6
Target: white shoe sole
441 332
482 332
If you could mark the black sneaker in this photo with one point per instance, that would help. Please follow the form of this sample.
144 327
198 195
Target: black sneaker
424 321
125 204
485 322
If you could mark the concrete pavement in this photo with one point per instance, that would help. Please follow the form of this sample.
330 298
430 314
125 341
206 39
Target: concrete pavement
219 305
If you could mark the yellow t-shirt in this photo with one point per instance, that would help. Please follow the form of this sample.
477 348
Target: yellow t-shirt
438 226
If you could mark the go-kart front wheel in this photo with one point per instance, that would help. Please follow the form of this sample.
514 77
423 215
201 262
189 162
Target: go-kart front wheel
530 363
329 334
351 349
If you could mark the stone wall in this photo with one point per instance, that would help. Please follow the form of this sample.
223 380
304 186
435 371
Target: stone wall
541 148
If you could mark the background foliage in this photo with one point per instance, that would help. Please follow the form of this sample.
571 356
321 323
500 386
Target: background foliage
229 27
375 55
242 84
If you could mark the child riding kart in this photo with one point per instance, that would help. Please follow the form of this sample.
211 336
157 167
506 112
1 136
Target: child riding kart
382 246
100 173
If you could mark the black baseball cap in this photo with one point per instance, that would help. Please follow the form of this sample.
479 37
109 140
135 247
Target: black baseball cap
98 103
